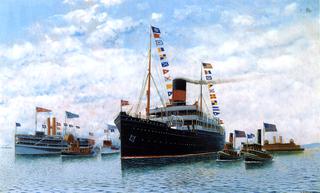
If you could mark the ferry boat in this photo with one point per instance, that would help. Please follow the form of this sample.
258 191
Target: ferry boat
40 143
229 153
175 129
279 146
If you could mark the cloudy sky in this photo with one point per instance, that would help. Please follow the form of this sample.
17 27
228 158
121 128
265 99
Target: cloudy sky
86 55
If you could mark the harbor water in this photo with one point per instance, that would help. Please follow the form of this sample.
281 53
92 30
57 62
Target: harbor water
286 173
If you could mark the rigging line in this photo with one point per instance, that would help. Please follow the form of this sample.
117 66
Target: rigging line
143 88
162 83
208 111
161 99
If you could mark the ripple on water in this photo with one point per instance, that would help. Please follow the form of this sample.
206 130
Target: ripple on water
108 174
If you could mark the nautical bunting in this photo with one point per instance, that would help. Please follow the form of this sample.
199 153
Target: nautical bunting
163 59
207 67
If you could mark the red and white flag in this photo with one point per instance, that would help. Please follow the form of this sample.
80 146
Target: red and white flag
124 102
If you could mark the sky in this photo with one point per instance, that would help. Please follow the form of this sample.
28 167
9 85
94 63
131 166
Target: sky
84 56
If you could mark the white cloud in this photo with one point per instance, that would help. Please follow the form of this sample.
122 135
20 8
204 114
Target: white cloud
245 20
156 16
185 12
17 51
290 8
111 2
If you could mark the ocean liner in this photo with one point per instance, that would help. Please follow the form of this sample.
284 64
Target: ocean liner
176 129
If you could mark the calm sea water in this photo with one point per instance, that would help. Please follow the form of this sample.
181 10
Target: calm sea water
287 173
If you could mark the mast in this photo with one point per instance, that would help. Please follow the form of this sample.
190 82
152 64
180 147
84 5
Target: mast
149 78
201 91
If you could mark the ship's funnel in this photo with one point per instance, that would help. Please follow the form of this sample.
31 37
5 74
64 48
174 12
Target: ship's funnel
48 126
274 139
231 138
280 139
179 92
259 136
54 126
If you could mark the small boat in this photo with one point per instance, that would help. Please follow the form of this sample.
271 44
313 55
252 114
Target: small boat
110 145
108 148
75 150
253 153
228 153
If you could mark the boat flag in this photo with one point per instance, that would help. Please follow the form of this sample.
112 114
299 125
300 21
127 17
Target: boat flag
155 29
269 127
238 133
44 126
58 124
70 125
112 128
250 136
163 58
90 134
124 103
160 50
156 35
159 42
207 67
65 124
18 125
70 115
165 71
77 127
40 110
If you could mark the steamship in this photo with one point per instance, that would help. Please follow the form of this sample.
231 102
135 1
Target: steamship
44 143
176 129
40 143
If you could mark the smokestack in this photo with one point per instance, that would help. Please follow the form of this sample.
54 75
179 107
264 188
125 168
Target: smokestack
231 138
259 136
280 139
48 125
274 139
54 126
179 92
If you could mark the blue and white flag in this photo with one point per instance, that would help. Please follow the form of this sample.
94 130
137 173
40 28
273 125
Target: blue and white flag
112 128
71 115
18 125
269 127
155 29
238 133
250 136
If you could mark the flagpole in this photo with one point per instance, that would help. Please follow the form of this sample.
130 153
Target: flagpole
35 122
201 91
234 139
149 77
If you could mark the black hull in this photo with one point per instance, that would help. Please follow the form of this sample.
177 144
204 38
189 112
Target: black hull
142 138
227 157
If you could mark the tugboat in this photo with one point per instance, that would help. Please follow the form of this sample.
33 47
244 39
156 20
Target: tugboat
75 150
108 146
253 153
175 129
229 153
